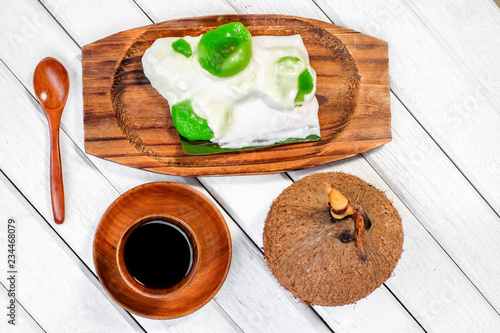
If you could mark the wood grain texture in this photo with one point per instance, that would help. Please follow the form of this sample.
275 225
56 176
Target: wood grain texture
24 322
189 210
434 87
51 278
51 84
160 10
469 31
352 89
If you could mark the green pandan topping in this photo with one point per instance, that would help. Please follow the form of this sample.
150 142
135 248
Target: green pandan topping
189 124
287 69
306 85
286 62
225 51
182 47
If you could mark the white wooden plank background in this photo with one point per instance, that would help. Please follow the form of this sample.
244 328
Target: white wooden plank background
441 171
469 31
452 109
50 267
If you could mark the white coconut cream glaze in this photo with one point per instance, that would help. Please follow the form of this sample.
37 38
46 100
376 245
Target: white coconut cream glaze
249 108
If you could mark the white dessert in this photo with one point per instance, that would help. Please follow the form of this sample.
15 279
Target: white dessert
253 107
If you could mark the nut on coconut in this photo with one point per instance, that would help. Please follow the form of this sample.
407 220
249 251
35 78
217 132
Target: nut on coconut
341 208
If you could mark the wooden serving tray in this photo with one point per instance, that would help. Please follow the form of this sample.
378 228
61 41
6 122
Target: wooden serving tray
128 122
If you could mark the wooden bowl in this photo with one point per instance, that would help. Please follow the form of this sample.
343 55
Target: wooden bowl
196 216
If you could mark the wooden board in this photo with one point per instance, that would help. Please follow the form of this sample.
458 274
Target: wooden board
128 122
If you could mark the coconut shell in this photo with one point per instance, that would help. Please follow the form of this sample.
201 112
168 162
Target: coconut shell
315 256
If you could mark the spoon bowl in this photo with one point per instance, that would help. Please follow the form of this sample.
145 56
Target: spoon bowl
51 84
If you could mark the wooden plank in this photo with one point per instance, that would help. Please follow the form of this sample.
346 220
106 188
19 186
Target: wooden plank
469 31
298 8
444 100
159 11
470 239
22 322
51 278
125 16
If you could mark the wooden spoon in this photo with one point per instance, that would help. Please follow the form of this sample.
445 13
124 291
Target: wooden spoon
51 83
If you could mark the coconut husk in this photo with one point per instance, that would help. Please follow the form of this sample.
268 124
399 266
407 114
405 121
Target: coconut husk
315 256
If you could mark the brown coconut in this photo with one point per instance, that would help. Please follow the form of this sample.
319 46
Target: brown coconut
315 256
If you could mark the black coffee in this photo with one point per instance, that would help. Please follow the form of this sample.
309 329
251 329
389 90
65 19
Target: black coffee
158 254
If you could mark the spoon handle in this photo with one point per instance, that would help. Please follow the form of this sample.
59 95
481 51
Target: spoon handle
56 181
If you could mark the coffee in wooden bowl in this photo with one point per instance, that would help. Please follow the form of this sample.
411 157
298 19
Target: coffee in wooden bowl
158 254
162 250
